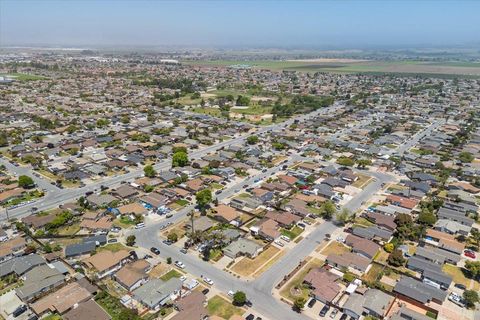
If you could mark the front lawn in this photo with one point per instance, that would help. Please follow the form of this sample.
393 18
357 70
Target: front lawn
292 233
247 266
171 274
218 306
113 247
335 247
459 277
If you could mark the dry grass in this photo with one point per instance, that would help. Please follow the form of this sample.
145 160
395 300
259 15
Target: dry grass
297 281
247 266
159 270
459 277
335 247
362 181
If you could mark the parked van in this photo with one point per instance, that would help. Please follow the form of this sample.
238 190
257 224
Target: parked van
140 225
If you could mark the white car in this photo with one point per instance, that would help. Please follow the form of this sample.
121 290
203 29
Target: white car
285 238
183 278
180 264
340 239
231 293
278 243
207 280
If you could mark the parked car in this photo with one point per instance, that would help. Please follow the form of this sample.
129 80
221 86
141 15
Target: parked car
301 225
343 317
334 313
155 250
460 286
183 250
470 254
324 311
218 191
250 317
285 238
180 264
248 303
312 302
167 242
278 243
207 280
112 241
169 215
205 291
230 293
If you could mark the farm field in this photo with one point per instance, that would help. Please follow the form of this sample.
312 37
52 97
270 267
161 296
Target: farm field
354 66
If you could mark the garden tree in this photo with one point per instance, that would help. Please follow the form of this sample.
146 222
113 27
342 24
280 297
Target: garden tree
239 298
242 101
203 198
131 240
396 258
345 161
176 149
343 216
404 225
149 171
470 297
148 188
252 140
172 236
363 163
475 236
327 209
389 247
25 182
179 159
101 123
465 157
473 267
427 217
3 139
299 304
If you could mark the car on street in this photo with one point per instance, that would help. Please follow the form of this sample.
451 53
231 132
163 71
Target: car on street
169 215
218 191
147 256
207 280
180 264
112 241
183 250
301 225
205 291
278 243
324 311
285 238
343 317
250 317
155 250
312 302
182 278
230 293
167 242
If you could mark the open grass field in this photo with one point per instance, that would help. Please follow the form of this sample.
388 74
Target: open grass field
247 266
218 306
406 67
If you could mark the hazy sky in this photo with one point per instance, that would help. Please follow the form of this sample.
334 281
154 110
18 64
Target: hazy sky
239 23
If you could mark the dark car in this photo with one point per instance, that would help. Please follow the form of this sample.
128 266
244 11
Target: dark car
184 251
248 303
311 303
155 250
205 291
167 242
460 286
324 311
218 191
19 311
343 317
250 317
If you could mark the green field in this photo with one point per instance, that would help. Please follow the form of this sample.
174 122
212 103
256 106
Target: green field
406 67
23 76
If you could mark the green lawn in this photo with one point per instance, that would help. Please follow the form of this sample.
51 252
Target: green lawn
114 247
171 274
209 111
292 233
218 306
181 202
53 317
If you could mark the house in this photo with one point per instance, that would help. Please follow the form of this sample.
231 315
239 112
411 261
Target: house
262 194
105 263
226 214
201 224
451 227
432 273
372 233
285 219
362 246
154 200
125 192
386 222
12 248
348 260
133 275
418 292
266 228
20 265
353 307
79 249
324 284
100 200
87 310
133 208
437 255
377 303
39 280
289 180
191 307
61 300
402 202
444 240
242 247
156 293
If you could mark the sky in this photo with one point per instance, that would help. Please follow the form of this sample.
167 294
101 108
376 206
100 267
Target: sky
319 24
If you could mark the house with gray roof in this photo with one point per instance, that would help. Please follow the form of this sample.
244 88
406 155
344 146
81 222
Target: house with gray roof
156 293
432 273
242 247
418 291
21 265
39 280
